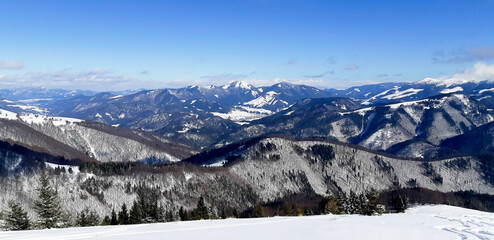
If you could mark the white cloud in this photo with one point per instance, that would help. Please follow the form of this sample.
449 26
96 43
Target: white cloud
95 79
11 65
479 72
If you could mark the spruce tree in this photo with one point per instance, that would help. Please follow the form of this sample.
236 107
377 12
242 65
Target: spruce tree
135 215
160 213
114 219
123 215
106 221
223 213
16 218
47 206
87 218
182 213
169 216
343 203
400 203
202 209
371 206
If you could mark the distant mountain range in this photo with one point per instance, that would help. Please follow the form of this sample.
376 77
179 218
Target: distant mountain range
406 118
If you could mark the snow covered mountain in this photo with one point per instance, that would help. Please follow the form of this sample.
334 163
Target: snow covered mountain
254 172
193 115
414 128
207 116
386 93
75 139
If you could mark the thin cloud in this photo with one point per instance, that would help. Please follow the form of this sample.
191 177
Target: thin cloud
145 72
96 79
464 55
382 75
11 65
351 67
225 77
320 75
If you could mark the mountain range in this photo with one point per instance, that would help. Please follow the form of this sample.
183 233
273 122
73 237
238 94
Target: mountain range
255 144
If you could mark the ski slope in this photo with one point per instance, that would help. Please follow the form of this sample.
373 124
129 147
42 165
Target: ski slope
423 222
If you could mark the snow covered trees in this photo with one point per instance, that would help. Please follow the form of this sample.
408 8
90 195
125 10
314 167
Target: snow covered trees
87 218
47 206
365 204
201 212
371 206
16 218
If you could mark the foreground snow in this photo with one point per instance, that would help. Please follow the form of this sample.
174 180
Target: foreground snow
424 222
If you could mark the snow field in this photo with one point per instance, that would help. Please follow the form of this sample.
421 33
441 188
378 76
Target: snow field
422 222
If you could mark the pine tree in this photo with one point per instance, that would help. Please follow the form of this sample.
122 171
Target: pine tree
223 213
160 213
106 221
135 215
202 209
123 215
342 200
114 220
87 218
371 205
169 216
48 205
182 213
400 203
16 218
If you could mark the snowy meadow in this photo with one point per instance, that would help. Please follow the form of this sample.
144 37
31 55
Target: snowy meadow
420 222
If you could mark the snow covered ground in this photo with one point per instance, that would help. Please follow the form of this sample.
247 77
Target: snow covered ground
423 222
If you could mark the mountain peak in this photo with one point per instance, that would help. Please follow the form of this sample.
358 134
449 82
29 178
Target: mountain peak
449 81
238 84
284 84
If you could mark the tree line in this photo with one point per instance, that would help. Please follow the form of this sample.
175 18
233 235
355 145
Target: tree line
145 209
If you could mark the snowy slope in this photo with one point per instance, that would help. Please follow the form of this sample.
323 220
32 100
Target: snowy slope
423 222
74 138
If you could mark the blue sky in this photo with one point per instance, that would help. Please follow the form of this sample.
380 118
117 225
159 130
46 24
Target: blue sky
108 45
